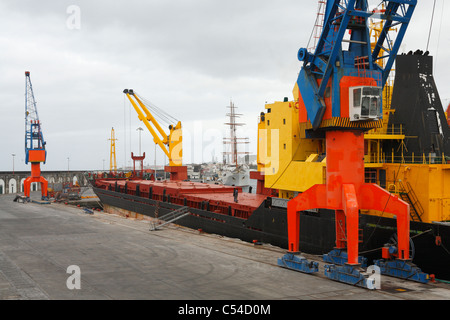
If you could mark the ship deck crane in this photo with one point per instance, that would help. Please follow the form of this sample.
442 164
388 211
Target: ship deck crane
34 142
339 93
170 144
112 153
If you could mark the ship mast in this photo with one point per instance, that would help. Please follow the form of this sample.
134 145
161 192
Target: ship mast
233 140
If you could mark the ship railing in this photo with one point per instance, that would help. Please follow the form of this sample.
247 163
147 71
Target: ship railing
120 173
430 158
387 130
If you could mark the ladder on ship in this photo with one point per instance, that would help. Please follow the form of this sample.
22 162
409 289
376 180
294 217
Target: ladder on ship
408 195
169 218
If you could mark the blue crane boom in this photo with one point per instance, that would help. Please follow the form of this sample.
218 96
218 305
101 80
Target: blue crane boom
34 139
331 62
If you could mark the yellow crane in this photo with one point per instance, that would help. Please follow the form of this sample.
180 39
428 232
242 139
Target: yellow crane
112 154
170 144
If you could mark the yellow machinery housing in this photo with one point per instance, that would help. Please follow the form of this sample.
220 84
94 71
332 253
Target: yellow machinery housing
292 163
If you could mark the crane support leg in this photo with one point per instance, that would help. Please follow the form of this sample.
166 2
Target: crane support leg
347 234
398 263
351 210
345 175
377 198
346 193
310 199
35 177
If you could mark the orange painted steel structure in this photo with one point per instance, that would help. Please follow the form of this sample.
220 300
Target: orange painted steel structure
447 114
339 96
36 157
346 193
141 160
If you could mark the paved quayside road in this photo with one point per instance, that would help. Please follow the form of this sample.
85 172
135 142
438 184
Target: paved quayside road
120 258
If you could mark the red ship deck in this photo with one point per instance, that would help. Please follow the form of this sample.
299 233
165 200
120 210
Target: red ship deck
211 197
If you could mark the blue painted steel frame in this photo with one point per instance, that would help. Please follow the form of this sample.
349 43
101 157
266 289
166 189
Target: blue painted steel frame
339 257
31 121
402 269
348 274
322 64
298 263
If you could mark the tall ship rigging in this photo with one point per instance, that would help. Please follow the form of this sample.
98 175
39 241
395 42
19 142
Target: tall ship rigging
234 173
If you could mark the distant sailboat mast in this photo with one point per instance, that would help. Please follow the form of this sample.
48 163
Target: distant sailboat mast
233 140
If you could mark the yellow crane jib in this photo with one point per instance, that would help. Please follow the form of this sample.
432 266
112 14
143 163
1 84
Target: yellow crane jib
171 144
112 154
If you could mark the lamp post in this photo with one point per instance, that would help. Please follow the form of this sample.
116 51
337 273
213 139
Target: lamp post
140 130
13 155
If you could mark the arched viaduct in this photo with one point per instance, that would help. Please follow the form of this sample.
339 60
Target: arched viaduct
12 182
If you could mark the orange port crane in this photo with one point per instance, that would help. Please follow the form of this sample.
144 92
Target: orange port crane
34 142
339 93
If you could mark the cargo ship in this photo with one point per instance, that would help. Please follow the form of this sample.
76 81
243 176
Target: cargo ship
406 153
395 160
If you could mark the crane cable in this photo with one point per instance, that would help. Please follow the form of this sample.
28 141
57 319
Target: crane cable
439 34
431 24
159 113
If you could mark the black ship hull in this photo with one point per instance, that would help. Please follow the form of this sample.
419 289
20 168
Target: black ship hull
268 224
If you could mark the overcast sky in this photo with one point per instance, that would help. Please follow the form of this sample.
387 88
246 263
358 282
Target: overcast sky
189 57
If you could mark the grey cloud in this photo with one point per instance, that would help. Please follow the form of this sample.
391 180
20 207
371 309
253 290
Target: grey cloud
187 56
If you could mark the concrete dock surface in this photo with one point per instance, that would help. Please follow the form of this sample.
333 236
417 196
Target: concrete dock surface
47 249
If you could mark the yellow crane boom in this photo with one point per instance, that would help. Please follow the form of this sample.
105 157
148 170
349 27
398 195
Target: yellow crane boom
170 144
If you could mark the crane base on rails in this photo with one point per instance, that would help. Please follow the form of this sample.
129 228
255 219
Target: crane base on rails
298 263
340 257
346 193
402 269
352 275
35 177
